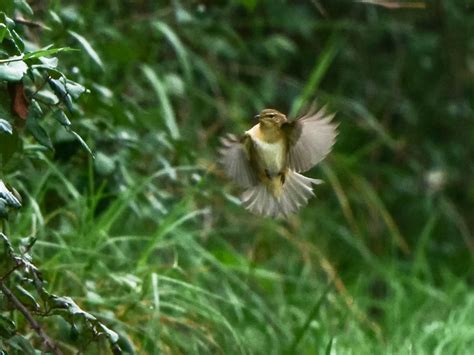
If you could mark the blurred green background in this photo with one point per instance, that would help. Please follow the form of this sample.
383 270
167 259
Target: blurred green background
150 236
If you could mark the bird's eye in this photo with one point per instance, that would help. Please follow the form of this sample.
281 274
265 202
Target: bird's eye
272 115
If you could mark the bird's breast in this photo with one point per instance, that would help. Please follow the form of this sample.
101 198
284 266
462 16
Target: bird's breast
271 155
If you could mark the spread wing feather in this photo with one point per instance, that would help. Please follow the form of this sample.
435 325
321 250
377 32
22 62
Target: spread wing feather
311 138
235 159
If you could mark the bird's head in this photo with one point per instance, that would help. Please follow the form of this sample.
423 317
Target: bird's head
270 117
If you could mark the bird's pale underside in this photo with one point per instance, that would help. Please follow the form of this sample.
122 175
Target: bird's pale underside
268 159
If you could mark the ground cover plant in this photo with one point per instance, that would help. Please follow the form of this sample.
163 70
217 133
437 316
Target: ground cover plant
120 232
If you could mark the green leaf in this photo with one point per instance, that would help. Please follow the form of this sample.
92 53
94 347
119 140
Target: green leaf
3 214
7 327
126 344
26 298
5 126
7 246
26 244
22 345
34 127
46 52
61 117
329 346
74 89
113 336
17 39
167 110
55 17
309 318
320 68
10 199
174 40
23 6
83 142
13 71
3 31
88 48
54 73
47 97
7 260
72 308
60 91
66 90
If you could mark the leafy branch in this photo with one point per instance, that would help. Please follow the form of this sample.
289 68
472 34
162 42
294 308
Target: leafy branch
31 77
47 341
29 288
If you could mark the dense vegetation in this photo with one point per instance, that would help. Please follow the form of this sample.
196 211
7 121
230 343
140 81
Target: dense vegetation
147 236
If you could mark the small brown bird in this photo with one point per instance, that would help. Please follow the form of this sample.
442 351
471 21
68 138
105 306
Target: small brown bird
267 160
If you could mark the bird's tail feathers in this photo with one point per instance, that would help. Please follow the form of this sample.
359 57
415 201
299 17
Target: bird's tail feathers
296 191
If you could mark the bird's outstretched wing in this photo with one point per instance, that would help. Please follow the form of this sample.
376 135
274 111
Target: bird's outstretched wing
235 159
311 138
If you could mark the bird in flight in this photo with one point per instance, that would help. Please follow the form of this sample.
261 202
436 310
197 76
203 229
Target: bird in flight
268 159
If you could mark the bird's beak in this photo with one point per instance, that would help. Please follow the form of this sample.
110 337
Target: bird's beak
257 117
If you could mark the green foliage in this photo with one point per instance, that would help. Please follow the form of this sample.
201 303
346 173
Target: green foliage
148 236
34 69
23 289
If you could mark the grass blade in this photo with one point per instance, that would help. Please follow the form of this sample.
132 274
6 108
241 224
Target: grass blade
174 40
309 319
319 70
166 108
329 347
88 48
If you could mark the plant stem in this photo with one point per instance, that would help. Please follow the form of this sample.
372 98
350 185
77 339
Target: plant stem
11 59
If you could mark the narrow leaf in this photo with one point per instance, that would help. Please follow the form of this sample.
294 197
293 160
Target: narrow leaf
83 142
74 89
23 6
61 117
329 347
3 214
46 52
174 40
88 48
21 345
47 97
319 70
3 31
113 336
167 110
26 297
10 199
311 315
7 327
5 126
60 91
4 18
34 127
18 40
